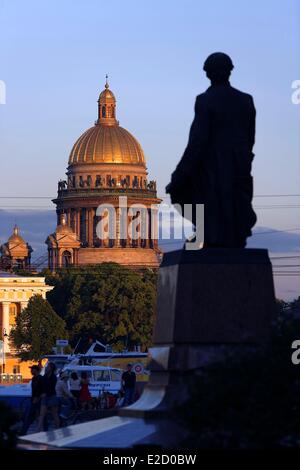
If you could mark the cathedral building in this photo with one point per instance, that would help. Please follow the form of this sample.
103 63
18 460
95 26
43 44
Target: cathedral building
106 168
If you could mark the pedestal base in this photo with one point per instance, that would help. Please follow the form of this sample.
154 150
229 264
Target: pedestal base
215 296
210 303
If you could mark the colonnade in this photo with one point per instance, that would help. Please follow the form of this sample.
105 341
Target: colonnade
144 232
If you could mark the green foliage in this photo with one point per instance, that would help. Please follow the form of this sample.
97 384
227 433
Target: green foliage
249 400
36 330
107 302
24 272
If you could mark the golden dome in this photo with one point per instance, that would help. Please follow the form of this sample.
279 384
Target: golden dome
16 237
63 227
107 95
107 142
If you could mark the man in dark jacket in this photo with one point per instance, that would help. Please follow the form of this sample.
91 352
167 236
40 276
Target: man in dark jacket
33 407
49 400
215 169
128 385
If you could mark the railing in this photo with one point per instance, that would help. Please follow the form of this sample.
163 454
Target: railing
11 378
115 191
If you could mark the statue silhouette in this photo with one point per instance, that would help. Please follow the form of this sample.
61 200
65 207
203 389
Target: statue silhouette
215 169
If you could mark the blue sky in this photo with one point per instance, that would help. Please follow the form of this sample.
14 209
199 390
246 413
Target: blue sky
55 54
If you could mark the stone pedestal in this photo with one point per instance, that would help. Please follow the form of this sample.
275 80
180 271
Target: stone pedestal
214 296
210 302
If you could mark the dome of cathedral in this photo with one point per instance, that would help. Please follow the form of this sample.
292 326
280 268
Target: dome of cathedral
106 141
16 237
107 144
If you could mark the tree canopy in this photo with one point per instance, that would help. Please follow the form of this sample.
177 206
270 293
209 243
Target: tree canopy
36 330
249 399
108 302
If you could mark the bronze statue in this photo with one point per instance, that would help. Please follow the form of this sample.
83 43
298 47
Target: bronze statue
98 181
215 169
62 185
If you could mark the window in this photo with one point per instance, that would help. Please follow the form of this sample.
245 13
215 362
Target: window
66 258
13 310
101 376
115 375
79 372
103 111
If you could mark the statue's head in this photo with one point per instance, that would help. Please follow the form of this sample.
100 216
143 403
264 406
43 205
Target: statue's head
218 67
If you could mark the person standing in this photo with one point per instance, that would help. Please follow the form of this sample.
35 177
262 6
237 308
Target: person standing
65 397
75 386
120 399
85 397
49 399
128 385
32 411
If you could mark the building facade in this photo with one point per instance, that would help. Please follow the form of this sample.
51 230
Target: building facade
15 293
106 168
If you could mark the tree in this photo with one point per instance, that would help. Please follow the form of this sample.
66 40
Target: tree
36 330
107 302
249 400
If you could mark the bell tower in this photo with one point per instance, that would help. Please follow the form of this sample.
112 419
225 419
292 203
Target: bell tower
107 107
63 246
15 252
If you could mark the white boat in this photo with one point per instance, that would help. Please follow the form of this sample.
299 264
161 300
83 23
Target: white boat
95 361
101 355
101 379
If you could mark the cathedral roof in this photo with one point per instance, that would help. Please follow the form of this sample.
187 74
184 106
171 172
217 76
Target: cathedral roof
16 237
16 245
106 141
63 235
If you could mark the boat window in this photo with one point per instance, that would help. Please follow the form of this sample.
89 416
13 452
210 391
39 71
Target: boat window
78 372
115 375
101 376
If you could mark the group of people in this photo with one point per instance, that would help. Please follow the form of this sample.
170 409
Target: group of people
50 393
60 394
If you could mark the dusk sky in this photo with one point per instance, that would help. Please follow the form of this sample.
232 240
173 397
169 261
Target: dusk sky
54 57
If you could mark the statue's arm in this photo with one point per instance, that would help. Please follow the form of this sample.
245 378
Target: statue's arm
197 143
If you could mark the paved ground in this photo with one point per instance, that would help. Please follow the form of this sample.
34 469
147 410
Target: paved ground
77 418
